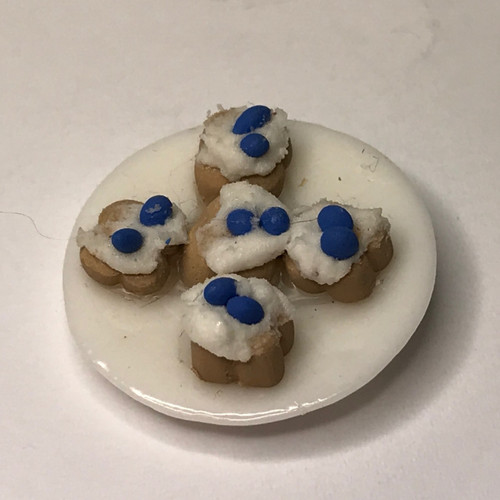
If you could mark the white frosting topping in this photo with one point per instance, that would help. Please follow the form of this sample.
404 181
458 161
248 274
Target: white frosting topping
304 245
145 260
225 253
215 330
220 148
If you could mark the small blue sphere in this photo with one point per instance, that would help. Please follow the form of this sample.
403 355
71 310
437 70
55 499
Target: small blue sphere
339 242
127 240
334 215
251 118
219 291
275 221
245 309
254 145
155 211
239 221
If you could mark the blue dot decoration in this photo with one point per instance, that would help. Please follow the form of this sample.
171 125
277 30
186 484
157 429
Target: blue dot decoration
219 291
339 242
254 145
127 240
239 221
251 119
245 309
274 221
155 211
334 215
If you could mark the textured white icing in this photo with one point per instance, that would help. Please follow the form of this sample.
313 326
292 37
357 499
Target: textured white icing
215 330
145 260
220 148
225 253
305 234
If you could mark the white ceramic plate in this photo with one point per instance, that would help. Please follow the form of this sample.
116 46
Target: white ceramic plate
138 344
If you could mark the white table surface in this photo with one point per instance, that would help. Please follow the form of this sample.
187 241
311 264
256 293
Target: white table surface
85 84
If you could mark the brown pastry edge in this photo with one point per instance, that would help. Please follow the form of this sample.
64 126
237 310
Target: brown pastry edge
356 285
264 369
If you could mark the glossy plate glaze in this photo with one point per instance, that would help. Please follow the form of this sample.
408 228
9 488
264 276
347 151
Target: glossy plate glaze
138 344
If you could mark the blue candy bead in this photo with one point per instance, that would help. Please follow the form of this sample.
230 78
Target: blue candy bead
334 215
127 240
239 221
254 145
339 242
156 211
245 309
275 221
251 118
219 291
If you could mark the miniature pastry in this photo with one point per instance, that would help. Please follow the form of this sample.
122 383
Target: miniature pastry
338 249
240 330
131 244
251 144
242 231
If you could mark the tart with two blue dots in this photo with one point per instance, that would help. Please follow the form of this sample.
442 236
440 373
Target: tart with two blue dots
132 242
244 230
240 330
338 249
246 143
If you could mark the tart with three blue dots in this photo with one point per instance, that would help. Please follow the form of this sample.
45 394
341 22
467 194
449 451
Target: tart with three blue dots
133 244
244 230
240 330
246 143
338 249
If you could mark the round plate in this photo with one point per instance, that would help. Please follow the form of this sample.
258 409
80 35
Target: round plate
138 343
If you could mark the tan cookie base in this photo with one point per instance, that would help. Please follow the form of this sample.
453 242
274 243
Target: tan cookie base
210 180
359 282
138 284
264 369
195 270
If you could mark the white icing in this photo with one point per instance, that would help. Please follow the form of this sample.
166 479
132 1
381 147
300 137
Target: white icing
220 148
215 330
304 245
225 253
145 260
